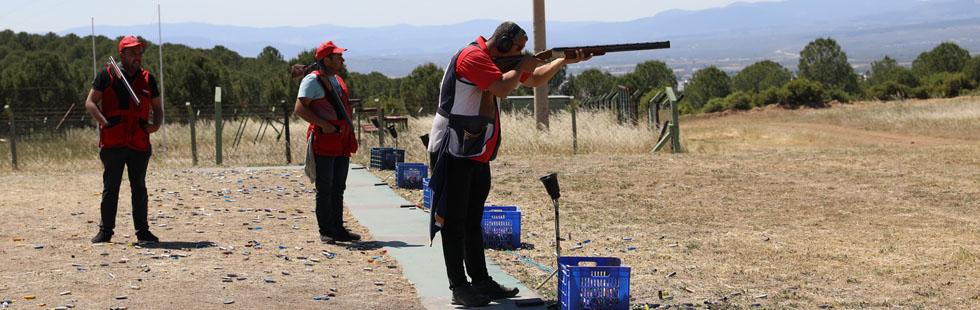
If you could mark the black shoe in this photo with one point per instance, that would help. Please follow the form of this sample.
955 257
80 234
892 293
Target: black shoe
348 236
102 237
468 296
327 239
494 290
145 236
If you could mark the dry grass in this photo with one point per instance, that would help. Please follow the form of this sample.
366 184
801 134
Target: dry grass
768 203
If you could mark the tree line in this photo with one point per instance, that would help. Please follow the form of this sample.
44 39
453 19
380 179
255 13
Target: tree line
51 71
824 75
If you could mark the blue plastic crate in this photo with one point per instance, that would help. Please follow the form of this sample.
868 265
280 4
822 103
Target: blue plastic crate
604 286
501 227
378 156
426 194
410 175
391 158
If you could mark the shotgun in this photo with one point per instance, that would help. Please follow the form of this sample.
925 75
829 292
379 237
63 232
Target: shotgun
119 74
301 70
507 63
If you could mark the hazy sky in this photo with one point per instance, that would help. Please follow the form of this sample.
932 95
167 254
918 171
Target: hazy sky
39 16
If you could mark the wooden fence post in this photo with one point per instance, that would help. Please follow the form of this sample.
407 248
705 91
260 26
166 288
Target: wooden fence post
193 121
13 136
217 125
381 126
574 107
285 121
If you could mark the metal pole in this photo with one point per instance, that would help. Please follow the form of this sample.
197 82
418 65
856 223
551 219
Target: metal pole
13 136
193 120
285 121
540 92
163 105
95 71
217 125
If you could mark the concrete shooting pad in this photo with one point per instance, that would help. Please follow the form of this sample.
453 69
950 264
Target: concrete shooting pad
404 232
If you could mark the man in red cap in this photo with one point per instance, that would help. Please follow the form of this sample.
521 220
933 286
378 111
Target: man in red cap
124 134
323 102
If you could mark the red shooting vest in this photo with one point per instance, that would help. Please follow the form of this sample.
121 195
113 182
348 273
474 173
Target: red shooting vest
126 120
343 143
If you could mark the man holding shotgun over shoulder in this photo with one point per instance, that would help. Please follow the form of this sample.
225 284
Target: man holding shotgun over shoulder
465 137
127 95
323 101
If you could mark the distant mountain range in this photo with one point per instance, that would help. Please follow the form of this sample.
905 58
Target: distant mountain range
730 37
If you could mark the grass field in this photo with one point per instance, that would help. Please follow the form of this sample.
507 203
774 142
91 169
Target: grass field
869 205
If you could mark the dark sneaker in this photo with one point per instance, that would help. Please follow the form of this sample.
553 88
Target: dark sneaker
348 236
494 290
102 237
145 236
327 239
468 296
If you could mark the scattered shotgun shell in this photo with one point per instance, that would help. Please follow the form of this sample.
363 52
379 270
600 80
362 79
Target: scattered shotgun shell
29 297
824 306
121 297
65 293
755 304
228 302
671 274
762 296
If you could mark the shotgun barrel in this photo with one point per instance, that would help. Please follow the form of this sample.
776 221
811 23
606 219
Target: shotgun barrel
119 74
507 63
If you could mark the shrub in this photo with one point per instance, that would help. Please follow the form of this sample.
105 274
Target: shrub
766 97
972 69
714 105
802 92
836 94
738 101
891 90
921 92
946 85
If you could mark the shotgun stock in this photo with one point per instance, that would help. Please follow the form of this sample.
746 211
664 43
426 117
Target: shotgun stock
507 63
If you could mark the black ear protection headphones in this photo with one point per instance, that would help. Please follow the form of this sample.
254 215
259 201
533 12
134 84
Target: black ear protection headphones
506 41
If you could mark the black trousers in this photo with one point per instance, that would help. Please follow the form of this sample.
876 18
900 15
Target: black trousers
468 184
114 160
331 181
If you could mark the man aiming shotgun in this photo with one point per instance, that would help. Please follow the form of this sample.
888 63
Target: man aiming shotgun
465 137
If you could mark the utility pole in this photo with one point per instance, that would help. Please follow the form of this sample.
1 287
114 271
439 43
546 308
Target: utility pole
540 92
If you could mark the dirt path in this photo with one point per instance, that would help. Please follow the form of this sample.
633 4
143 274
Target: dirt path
234 239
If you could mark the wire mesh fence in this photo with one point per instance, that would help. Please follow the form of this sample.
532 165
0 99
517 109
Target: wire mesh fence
256 136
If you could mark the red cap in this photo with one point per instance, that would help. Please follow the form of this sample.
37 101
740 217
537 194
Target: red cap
327 49
130 41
